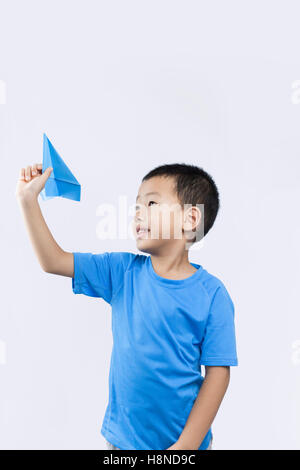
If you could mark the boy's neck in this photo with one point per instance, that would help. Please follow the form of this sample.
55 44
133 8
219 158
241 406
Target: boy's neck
173 265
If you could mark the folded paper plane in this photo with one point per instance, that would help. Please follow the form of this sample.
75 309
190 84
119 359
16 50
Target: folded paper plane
61 182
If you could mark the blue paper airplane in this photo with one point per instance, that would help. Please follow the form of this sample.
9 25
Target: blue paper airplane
61 182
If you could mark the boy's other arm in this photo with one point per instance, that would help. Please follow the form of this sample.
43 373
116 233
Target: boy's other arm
204 409
50 255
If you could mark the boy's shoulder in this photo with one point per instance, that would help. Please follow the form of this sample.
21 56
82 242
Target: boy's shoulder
213 284
128 260
211 281
123 261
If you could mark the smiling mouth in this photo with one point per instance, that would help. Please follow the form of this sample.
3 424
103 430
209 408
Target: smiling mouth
141 232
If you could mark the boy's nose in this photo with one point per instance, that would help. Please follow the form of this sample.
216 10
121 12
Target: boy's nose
138 216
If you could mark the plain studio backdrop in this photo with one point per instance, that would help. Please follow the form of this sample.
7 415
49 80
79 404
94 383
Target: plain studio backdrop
120 87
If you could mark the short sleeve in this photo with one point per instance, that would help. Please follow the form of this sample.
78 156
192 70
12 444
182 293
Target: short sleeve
99 275
218 346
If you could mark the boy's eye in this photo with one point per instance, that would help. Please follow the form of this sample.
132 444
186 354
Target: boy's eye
137 206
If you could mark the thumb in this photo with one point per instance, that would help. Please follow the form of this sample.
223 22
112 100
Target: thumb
44 176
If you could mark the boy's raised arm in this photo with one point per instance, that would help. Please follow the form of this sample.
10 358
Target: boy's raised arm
50 255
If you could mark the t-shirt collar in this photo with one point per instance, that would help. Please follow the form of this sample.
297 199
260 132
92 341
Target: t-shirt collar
174 282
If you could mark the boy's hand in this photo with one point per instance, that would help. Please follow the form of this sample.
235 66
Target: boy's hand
32 180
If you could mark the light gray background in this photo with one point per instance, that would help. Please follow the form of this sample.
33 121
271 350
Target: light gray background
120 87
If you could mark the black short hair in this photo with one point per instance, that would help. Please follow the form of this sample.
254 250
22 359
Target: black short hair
193 186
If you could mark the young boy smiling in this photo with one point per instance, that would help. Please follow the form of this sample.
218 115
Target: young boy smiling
169 315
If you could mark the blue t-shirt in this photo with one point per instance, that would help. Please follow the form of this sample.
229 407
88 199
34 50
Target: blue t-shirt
163 330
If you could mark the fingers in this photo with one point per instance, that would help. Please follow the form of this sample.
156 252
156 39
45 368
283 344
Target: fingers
31 171
37 169
22 174
28 173
34 169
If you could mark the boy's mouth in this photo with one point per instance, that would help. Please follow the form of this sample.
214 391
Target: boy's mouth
141 231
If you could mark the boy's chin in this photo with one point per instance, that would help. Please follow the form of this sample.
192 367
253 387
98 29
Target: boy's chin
144 243
148 245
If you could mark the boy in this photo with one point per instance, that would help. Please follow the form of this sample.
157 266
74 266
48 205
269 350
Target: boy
169 316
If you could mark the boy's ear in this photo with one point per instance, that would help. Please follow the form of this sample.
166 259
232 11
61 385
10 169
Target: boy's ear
192 218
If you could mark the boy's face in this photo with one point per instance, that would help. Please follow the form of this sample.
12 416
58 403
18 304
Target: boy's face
159 214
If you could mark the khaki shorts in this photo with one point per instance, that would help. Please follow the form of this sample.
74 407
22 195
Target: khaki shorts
112 447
